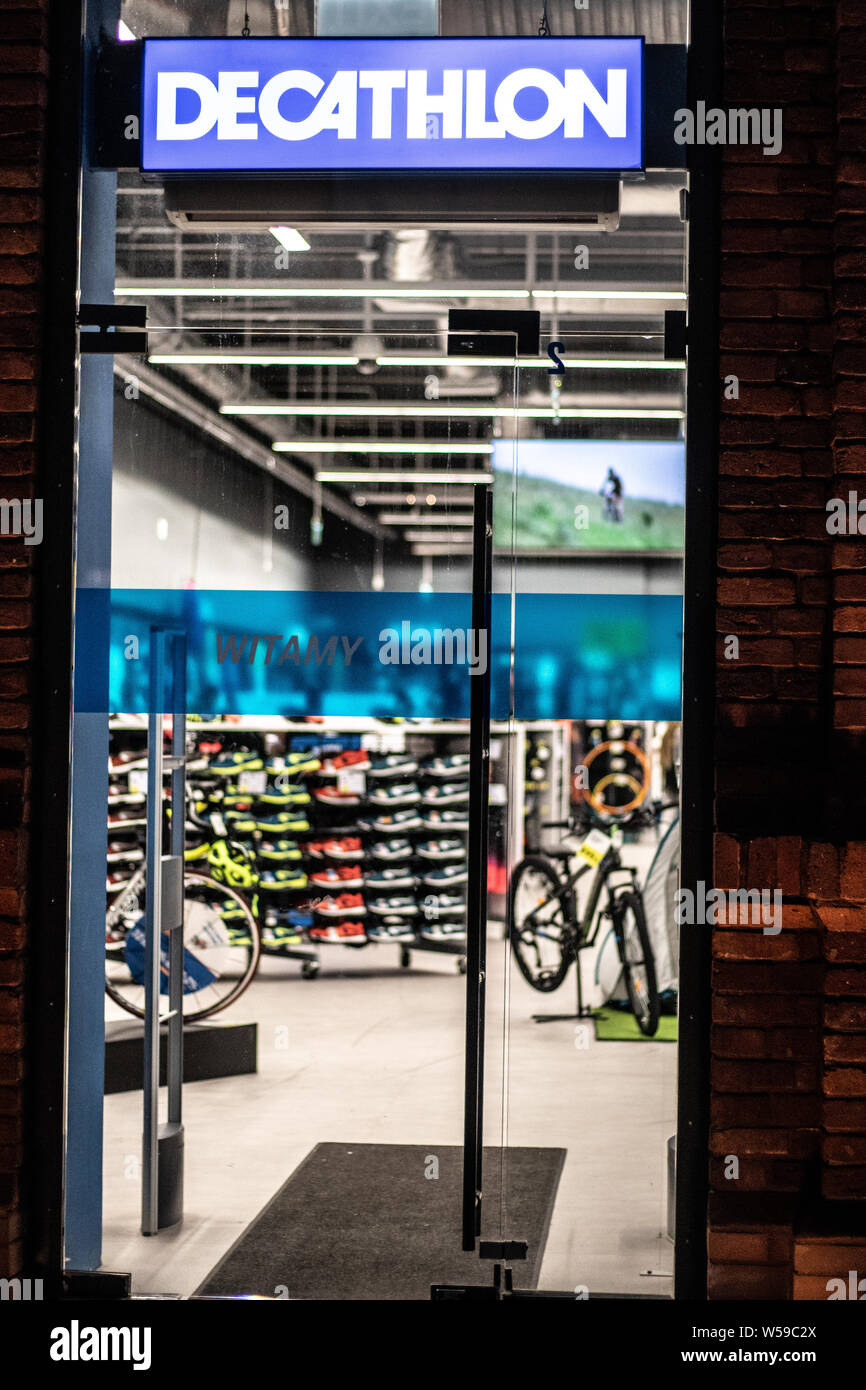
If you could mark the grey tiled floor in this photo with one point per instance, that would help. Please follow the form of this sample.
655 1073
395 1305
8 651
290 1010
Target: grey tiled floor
372 1053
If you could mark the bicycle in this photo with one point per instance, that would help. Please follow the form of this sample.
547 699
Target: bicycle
544 927
221 937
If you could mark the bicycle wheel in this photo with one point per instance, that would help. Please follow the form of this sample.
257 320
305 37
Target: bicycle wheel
221 948
540 928
638 962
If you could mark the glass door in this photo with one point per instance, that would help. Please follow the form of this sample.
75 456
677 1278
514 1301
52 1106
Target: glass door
306 510
582 987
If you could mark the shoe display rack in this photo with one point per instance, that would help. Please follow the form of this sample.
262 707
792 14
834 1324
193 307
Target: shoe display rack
357 828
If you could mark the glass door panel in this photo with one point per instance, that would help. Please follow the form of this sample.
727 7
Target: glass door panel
300 506
589 538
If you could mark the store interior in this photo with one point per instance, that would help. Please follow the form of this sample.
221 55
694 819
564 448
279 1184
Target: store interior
298 434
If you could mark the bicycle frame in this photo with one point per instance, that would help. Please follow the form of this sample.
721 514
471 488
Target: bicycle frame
584 933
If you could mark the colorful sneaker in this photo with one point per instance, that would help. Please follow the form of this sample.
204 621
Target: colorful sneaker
389 879
391 851
394 765
278 851
438 905
353 759
284 796
282 821
443 931
349 847
441 849
281 880
331 796
344 905
121 796
395 794
230 797
446 820
126 762
455 766
446 793
391 929
340 934
240 825
449 874
278 935
344 877
128 819
393 905
292 763
118 852
398 824
239 760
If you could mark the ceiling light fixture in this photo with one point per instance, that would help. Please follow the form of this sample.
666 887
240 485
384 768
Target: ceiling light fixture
352 290
376 446
251 359
395 519
600 364
378 475
290 238
386 411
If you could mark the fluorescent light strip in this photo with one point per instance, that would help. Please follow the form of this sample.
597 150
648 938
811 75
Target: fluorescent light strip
452 497
433 539
394 519
586 363
445 551
609 294
453 412
375 446
251 359
334 475
288 359
351 291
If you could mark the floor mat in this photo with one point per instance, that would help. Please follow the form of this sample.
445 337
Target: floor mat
613 1026
365 1221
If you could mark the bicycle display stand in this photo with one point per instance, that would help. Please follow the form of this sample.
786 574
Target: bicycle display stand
583 1010
162 1144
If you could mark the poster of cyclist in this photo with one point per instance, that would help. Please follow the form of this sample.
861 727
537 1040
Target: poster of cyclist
588 494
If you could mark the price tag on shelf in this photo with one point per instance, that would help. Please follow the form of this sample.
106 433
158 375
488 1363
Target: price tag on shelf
594 847
138 780
496 794
252 781
352 782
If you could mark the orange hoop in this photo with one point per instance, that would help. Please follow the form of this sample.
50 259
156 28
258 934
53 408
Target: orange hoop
625 746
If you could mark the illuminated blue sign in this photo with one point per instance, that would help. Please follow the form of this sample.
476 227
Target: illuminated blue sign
309 105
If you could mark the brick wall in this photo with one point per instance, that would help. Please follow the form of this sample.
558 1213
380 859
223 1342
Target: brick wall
788 1106
23 89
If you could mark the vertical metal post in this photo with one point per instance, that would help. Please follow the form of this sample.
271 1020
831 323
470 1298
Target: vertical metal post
153 933
178 816
476 923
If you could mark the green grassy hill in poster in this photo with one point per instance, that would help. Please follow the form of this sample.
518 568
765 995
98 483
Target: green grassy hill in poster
545 515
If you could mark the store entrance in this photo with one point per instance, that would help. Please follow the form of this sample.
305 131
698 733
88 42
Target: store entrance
318 550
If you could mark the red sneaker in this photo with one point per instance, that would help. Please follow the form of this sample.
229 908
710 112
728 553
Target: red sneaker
344 877
349 847
342 934
330 796
344 905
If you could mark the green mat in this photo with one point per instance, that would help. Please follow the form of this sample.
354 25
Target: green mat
611 1025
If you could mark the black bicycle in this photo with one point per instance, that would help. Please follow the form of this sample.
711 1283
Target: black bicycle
546 930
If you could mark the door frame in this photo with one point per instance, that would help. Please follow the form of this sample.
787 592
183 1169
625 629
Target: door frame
48 944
